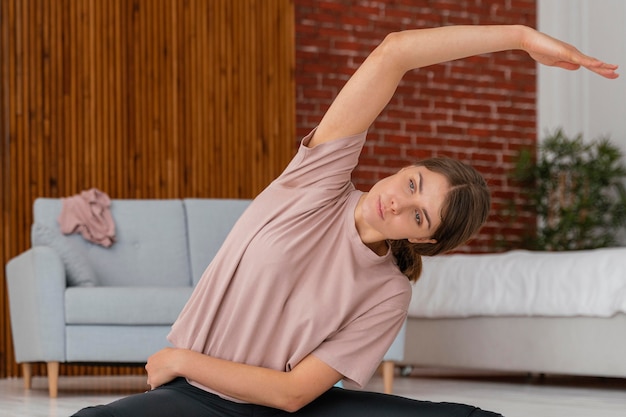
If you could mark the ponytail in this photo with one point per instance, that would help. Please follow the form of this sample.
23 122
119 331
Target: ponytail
407 259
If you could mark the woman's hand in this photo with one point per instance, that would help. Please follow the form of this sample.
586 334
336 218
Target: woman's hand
553 52
162 367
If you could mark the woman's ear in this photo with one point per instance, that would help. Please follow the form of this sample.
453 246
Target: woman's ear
422 240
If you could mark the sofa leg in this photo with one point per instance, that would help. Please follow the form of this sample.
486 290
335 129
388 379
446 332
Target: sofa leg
53 379
388 368
27 373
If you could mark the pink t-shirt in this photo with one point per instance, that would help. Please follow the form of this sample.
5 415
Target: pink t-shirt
293 277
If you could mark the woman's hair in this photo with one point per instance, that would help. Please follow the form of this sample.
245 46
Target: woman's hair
465 210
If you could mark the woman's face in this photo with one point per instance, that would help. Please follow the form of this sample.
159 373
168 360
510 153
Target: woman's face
406 205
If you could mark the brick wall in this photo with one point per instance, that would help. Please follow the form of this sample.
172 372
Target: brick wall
481 110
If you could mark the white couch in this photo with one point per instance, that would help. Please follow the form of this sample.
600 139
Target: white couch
520 311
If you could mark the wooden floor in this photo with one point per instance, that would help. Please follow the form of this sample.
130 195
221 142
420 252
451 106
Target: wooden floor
511 395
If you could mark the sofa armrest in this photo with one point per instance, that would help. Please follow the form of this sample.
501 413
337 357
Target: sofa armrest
36 284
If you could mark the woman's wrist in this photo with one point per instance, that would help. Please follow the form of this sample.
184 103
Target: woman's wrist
181 358
524 33
514 36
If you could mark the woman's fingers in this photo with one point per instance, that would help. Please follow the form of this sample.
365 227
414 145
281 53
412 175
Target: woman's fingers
567 65
606 70
601 68
576 61
598 66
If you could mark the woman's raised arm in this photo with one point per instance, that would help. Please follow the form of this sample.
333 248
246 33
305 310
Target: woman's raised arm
371 87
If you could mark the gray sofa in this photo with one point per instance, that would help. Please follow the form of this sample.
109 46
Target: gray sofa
72 301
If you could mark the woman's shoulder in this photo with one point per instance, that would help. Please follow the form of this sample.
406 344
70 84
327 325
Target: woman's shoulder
330 161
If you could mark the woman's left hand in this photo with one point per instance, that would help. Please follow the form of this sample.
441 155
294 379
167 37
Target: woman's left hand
553 52
161 367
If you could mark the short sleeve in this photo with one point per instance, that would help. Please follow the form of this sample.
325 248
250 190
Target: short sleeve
357 350
328 165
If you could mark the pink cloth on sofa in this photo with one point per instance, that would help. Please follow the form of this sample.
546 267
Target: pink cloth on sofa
89 214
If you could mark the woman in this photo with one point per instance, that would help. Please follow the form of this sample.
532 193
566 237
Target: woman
311 287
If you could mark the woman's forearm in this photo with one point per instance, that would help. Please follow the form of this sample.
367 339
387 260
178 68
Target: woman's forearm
423 47
419 48
246 383
288 391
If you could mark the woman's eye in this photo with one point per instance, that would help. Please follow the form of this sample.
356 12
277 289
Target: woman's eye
411 185
418 217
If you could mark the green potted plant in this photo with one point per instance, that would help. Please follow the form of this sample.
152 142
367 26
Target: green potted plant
576 190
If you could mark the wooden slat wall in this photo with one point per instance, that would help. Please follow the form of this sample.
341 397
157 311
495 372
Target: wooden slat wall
141 99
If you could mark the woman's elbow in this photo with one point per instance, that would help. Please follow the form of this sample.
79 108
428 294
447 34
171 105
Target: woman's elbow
293 403
388 44
390 52
297 396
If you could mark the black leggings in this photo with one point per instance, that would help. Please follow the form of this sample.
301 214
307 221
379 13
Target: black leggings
180 399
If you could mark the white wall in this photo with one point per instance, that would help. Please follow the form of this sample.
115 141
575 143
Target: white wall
579 101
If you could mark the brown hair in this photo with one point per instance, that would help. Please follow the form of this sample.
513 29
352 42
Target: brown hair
465 210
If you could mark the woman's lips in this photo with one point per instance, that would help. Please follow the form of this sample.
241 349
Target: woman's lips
381 212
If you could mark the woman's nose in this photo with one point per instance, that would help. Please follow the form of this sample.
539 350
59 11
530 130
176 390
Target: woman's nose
396 205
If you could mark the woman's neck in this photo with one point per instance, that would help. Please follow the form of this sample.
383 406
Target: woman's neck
366 233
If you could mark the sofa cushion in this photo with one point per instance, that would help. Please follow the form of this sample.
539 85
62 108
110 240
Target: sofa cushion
150 247
124 305
78 270
209 221
116 344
